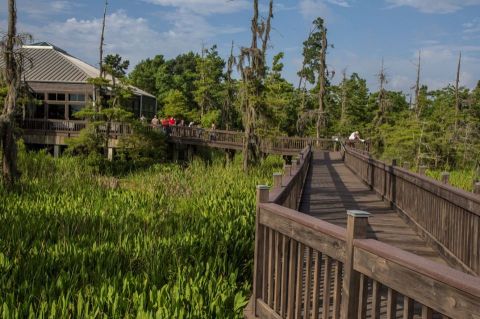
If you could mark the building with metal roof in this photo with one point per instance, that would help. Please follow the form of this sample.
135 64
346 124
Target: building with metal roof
60 80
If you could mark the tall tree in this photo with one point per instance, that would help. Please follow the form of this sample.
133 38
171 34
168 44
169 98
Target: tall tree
12 75
322 79
343 114
382 99
417 88
252 69
143 75
314 69
457 94
208 84
281 108
229 93
102 38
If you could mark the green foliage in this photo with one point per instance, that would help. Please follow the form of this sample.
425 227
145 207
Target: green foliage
311 52
170 242
143 148
175 104
281 113
463 179
143 75
208 86
210 118
114 65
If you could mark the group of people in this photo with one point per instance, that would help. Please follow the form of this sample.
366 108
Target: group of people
165 122
170 121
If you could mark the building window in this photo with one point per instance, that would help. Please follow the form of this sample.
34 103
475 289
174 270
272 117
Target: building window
56 96
38 111
76 97
74 108
56 111
39 96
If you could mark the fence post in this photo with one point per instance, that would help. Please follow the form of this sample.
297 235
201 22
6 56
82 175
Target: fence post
357 222
422 169
262 197
288 170
277 180
445 177
394 162
294 165
476 188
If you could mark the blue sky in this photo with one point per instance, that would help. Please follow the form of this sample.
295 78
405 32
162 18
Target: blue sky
362 32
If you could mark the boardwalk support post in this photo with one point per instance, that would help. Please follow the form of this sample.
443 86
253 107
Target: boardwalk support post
277 180
476 188
110 153
288 170
56 151
357 222
262 197
445 177
422 169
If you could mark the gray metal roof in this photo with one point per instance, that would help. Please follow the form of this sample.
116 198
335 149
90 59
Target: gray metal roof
48 63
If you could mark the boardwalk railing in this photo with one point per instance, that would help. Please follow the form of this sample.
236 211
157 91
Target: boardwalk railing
184 135
307 268
447 217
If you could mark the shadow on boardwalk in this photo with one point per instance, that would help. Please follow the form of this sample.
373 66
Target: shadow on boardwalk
331 189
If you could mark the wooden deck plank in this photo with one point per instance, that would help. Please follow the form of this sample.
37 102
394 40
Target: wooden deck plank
331 189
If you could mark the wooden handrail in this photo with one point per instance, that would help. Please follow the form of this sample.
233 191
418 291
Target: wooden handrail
301 268
449 218
181 134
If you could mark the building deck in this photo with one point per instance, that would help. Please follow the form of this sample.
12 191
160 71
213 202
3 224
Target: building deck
331 189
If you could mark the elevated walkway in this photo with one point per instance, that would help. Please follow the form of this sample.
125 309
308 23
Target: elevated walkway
331 189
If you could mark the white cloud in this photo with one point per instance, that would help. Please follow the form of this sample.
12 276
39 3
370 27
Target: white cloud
434 6
204 7
439 66
313 8
132 38
471 30
341 3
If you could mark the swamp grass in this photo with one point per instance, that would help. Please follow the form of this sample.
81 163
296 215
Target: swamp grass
169 242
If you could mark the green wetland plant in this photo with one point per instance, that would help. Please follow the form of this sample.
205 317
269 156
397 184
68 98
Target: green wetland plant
169 242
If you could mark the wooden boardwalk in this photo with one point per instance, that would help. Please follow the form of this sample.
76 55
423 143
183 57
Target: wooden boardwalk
331 189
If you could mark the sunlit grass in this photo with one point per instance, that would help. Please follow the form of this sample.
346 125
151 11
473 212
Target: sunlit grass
170 242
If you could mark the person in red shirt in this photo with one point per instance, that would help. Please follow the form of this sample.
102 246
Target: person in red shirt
172 121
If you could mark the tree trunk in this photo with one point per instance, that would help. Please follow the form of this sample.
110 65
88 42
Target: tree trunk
98 100
7 121
457 93
343 116
322 80
417 89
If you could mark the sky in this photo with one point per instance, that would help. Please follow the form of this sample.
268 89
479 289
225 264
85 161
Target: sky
361 31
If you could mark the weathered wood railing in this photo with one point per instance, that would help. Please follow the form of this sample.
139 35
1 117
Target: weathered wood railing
447 217
182 134
307 268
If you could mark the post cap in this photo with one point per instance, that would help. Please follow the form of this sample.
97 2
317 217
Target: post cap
275 174
263 187
358 213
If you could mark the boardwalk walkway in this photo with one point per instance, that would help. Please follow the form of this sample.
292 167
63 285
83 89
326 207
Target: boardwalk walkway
331 188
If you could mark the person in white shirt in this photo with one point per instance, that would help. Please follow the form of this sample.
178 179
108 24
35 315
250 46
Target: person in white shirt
355 136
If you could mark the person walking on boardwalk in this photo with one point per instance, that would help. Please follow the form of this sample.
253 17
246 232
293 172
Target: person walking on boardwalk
155 121
213 136
355 136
